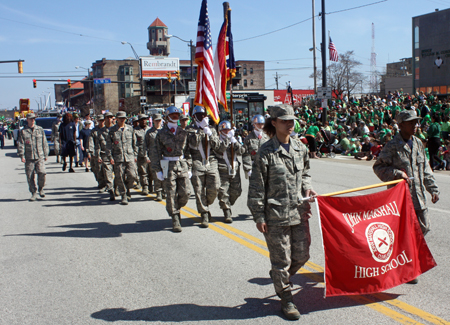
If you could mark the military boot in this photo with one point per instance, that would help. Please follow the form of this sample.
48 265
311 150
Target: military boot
116 191
158 196
102 189
227 214
205 218
128 194
112 197
145 190
176 226
57 159
124 200
41 192
288 307
33 197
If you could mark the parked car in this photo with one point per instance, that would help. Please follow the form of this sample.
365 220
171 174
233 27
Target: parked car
46 123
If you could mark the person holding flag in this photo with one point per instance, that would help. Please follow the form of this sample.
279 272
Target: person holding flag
404 157
279 180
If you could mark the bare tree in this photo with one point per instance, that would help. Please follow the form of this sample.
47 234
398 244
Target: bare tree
343 76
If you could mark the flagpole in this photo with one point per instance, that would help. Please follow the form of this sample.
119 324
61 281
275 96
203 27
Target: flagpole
357 189
226 8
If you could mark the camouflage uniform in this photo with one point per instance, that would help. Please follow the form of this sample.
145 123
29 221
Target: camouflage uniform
230 185
150 137
121 146
205 174
100 152
55 137
173 147
142 156
252 143
278 205
94 151
396 157
32 145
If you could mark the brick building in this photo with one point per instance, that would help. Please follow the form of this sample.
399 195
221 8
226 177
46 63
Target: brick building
252 74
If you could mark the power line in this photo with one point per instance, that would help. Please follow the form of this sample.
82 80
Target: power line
303 21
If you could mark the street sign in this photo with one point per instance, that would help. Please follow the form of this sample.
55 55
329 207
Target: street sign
324 92
192 85
192 94
102 80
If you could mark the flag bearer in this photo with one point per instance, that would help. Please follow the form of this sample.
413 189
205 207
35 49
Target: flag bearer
142 157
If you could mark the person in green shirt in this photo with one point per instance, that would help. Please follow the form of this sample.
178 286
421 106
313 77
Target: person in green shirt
434 139
445 128
312 133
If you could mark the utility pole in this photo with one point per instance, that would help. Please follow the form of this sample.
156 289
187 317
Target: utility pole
324 62
314 43
276 79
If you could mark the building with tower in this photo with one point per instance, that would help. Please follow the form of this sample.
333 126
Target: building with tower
158 44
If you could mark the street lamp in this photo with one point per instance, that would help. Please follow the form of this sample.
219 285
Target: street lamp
190 49
90 89
140 66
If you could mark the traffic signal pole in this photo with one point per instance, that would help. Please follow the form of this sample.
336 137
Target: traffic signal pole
324 61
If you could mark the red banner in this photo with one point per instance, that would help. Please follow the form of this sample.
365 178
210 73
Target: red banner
285 97
372 242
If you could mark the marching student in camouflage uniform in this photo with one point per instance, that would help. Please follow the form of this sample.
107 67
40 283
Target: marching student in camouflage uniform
93 146
230 176
142 157
184 121
32 148
55 136
150 143
121 150
252 143
205 180
171 150
279 178
103 159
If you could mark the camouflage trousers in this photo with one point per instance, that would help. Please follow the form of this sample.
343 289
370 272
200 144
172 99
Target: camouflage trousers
230 188
108 176
177 188
97 168
424 220
289 251
206 184
57 148
143 170
157 184
35 166
125 175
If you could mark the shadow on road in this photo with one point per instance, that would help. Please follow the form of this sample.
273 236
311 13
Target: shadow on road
253 308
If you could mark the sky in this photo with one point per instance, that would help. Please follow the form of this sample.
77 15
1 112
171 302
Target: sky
53 37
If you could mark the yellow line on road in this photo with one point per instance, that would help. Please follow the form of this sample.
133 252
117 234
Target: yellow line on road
363 300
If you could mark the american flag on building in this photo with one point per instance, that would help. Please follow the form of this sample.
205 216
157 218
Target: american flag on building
334 56
206 92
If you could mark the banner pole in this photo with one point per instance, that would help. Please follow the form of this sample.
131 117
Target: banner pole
357 189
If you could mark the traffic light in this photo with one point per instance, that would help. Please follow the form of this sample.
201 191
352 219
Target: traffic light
178 75
69 83
169 76
34 83
20 66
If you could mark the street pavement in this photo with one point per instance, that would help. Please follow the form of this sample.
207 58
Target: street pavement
74 257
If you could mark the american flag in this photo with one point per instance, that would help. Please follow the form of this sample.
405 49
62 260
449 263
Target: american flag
334 56
206 91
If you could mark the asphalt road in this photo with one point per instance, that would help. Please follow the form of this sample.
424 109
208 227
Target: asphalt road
75 258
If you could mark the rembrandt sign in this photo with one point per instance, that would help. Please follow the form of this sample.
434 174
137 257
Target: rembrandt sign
157 67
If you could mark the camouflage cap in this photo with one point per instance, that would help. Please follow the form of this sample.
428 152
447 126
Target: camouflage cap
100 117
31 115
109 114
282 112
157 117
75 115
142 116
183 117
134 119
121 114
407 115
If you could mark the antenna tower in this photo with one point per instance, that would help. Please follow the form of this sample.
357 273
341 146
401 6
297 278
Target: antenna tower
373 64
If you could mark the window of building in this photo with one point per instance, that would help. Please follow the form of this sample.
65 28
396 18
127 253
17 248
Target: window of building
251 70
416 37
126 71
245 82
251 82
245 71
